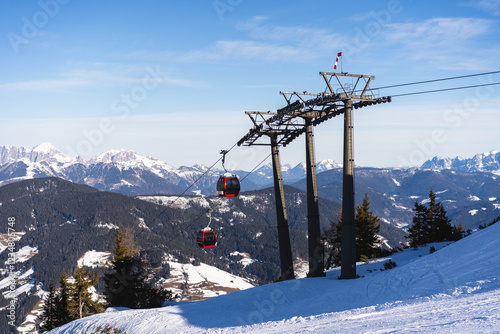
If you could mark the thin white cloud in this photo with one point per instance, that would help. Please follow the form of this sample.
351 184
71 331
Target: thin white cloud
301 36
262 50
489 6
443 30
93 76
45 85
252 23
263 41
446 42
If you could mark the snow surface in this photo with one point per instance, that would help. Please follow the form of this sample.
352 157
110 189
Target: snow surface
176 201
396 182
24 254
246 260
27 274
20 290
108 225
94 259
197 282
473 198
453 290
4 239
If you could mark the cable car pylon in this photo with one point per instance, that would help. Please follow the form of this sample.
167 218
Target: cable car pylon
286 260
304 109
315 246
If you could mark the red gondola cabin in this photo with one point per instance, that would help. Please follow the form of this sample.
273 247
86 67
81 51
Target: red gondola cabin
206 238
228 185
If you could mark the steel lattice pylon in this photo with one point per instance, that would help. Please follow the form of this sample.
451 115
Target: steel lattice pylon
303 111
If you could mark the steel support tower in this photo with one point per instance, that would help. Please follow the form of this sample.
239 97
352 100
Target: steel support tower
348 243
286 260
315 246
303 111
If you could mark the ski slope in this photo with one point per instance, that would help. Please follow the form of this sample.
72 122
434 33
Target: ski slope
454 290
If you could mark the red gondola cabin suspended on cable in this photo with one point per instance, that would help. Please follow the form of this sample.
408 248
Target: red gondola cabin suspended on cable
206 238
228 184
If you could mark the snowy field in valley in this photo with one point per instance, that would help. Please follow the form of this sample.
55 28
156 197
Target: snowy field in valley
202 281
453 290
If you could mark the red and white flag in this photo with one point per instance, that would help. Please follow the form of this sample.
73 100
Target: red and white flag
337 60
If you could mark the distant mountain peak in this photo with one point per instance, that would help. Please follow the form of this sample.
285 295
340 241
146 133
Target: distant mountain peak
45 148
327 164
115 156
481 162
45 152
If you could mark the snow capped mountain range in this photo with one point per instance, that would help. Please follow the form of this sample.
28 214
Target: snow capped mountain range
129 173
49 154
44 152
116 170
126 171
483 162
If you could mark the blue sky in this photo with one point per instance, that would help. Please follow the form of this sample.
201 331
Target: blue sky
172 79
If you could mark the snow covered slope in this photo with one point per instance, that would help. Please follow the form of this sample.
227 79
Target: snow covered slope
197 282
189 281
454 290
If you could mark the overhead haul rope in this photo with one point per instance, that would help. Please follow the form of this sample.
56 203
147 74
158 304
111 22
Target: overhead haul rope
445 89
253 170
194 221
199 178
192 184
437 80
209 209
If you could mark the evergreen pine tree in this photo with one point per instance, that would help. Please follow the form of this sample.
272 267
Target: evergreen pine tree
127 284
333 239
431 224
367 228
121 250
443 230
49 319
418 233
439 226
458 232
63 315
81 303
431 216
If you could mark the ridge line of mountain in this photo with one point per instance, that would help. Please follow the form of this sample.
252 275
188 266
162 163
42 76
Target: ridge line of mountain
46 152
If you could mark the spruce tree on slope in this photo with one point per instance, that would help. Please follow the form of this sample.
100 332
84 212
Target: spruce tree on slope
431 224
333 242
63 315
418 233
442 229
367 228
127 284
49 320
81 303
